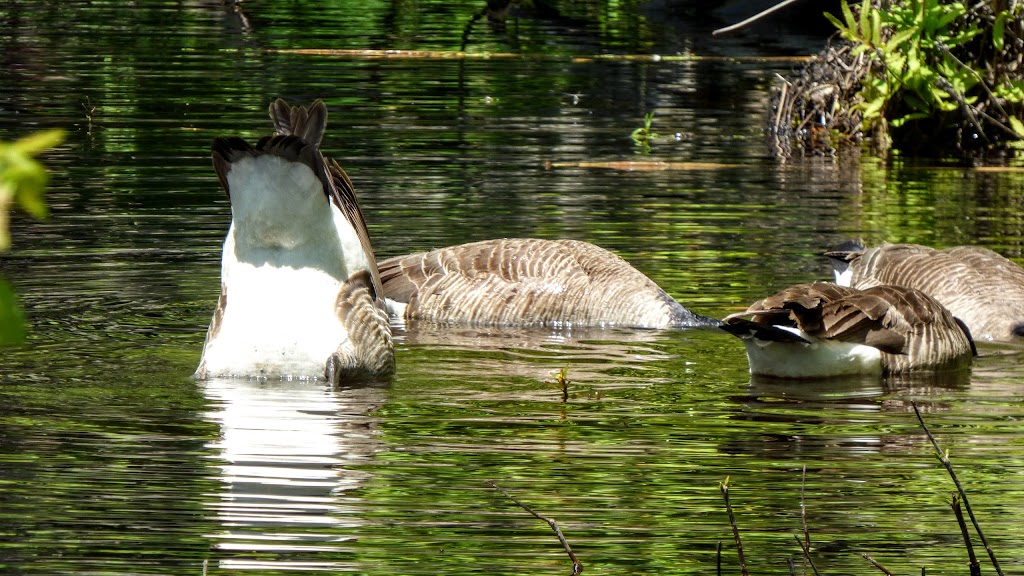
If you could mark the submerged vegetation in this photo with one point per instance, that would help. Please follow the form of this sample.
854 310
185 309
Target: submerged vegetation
924 77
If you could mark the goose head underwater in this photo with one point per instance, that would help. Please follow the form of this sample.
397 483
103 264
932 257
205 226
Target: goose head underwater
301 295
821 330
977 285
529 282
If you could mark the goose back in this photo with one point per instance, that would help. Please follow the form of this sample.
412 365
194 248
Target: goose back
808 323
529 282
977 285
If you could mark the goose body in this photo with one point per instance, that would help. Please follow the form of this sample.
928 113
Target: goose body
822 329
529 282
978 286
300 291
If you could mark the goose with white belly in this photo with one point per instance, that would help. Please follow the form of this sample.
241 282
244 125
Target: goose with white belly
300 291
822 330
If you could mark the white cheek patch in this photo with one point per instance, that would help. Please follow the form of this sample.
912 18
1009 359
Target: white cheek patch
845 277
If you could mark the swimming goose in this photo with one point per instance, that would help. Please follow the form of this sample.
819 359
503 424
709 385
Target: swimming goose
821 329
300 292
978 286
529 282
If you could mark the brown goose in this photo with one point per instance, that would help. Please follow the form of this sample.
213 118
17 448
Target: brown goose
529 282
978 286
821 329
300 292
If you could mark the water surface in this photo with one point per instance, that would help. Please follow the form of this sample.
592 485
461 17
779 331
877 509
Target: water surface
113 461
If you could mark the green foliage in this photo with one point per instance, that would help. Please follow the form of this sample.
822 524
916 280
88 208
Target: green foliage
22 181
643 135
915 73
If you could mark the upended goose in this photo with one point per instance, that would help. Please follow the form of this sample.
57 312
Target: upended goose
300 292
529 282
978 286
821 329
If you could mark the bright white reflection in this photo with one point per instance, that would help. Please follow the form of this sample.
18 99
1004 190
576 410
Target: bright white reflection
288 454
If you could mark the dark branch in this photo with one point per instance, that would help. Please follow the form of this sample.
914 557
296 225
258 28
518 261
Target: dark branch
944 458
577 566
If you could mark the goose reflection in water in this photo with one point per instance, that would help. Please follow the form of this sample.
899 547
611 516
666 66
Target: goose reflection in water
287 451
635 356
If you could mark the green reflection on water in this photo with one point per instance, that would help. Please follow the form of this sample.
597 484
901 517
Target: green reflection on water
113 461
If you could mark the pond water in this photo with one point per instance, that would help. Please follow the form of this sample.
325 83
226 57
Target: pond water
114 461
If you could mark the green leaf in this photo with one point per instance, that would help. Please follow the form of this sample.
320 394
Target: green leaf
12 322
34 144
901 37
876 28
848 15
998 30
865 20
839 25
912 116
1017 126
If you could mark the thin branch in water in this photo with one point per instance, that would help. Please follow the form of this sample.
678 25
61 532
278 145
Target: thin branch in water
879 566
754 18
724 486
807 554
974 565
803 508
577 566
944 458
718 559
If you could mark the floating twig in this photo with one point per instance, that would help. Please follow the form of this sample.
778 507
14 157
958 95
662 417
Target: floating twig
880 567
944 458
724 486
975 566
577 566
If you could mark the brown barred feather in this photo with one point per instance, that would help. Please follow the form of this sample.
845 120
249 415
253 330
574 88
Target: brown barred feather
530 282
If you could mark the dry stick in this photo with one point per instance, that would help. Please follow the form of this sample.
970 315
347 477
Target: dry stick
754 18
732 522
577 566
975 566
944 458
718 559
807 554
876 564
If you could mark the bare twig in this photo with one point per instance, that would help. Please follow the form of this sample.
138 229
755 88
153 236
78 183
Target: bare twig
877 565
807 554
577 566
718 559
944 458
754 18
975 566
732 522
